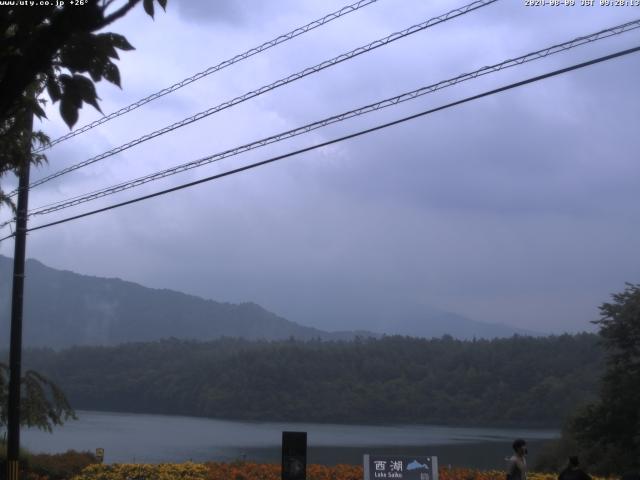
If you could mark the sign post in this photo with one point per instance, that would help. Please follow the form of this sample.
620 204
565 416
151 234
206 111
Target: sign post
294 455
396 467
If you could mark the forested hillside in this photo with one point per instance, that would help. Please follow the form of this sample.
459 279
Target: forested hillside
516 381
64 309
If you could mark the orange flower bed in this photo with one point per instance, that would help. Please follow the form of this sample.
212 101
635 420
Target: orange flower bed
265 471
262 471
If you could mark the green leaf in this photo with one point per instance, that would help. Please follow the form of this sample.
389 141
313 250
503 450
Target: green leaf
105 45
86 90
95 70
163 4
64 79
38 111
70 93
148 7
111 74
119 41
80 51
53 89
68 112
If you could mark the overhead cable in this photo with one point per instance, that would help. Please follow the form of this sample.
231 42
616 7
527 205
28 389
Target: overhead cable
272 86
340 139
216 68
616 30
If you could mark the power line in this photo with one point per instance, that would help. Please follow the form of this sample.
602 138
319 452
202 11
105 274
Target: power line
216 68
266 88
340 139
616 30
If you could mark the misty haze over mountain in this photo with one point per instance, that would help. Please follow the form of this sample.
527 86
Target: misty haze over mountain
63 308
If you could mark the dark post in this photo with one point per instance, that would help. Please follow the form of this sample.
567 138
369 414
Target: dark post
294 455
15 349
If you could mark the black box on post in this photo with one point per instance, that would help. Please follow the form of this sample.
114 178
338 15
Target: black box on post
294 455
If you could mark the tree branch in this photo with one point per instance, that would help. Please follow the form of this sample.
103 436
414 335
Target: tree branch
121 12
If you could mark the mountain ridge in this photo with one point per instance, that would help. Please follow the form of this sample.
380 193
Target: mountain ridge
64 308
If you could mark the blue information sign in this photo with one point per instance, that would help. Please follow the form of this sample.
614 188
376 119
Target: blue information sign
395 467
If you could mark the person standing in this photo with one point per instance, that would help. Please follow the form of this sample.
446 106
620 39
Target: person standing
573 471
517 467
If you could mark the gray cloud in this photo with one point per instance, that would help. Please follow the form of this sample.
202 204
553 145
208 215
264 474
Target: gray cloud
520 208
233 12
216 12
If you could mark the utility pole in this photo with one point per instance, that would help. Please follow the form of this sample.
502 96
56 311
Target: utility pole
15 349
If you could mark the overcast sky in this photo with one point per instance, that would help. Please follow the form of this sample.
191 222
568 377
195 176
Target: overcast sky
521 208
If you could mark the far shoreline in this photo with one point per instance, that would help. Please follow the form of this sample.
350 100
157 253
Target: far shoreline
153 438
499 425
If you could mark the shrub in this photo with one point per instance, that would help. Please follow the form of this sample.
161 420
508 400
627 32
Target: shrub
60 466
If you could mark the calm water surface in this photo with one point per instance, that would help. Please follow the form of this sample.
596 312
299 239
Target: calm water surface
159 438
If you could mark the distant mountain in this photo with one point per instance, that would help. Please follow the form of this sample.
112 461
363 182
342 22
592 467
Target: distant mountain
63 308
393 317
430 322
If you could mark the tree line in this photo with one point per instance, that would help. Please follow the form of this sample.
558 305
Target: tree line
516 381
606 432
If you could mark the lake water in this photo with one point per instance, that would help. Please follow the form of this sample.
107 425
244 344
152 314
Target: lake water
160 438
